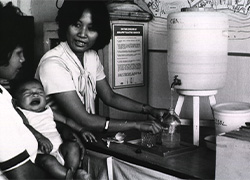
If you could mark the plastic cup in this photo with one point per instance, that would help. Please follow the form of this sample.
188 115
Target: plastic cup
148 139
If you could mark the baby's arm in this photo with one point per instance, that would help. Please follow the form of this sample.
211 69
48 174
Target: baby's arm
44 143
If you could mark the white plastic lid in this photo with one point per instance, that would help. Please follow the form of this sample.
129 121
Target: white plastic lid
232 107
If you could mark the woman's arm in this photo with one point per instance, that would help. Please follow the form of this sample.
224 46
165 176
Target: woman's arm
73 107
113 99
27 171
87 136
63 119
110 98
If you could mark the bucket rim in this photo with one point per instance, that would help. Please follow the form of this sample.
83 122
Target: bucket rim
232 107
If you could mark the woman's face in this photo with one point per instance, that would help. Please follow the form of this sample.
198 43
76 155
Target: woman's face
81 36
15 63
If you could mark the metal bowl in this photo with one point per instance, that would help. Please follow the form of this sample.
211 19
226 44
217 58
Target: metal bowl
210 142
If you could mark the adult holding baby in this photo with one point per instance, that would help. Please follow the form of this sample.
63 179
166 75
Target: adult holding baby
18 146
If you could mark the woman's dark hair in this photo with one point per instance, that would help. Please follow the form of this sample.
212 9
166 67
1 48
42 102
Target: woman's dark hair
71 11
10 31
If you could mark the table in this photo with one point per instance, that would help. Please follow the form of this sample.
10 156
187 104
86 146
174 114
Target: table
198 163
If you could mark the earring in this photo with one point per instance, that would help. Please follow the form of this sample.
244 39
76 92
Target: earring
21 60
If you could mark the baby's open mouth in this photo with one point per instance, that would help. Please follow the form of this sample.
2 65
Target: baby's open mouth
35 102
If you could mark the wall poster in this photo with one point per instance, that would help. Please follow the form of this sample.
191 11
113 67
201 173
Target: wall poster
128 49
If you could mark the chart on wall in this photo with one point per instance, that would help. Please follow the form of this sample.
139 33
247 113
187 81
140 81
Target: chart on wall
128 55
237 11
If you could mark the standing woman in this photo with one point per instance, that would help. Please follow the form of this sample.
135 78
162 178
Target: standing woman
72 73
18 146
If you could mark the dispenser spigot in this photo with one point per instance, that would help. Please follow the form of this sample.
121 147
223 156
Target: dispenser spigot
176 81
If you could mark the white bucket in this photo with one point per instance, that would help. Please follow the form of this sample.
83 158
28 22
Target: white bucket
230 116
197 49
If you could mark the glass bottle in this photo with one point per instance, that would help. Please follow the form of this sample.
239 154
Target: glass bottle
171 125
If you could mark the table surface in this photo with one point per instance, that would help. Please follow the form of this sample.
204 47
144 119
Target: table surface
198 163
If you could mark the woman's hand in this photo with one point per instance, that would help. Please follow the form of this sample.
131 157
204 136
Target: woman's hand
158 113
87 136
148 126
45 145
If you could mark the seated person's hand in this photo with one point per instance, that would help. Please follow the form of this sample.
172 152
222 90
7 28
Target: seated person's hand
87 136
44 145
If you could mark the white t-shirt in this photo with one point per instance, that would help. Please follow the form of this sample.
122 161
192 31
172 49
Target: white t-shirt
59 71
15 138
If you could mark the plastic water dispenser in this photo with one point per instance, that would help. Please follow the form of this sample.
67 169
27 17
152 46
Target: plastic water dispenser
197 54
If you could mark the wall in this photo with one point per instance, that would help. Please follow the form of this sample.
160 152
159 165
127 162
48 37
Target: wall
25 6
42 10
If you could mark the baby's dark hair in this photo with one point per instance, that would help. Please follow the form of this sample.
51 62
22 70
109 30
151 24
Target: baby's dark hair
16 85
71 11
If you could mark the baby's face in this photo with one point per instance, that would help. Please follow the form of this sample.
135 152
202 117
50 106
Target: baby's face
32 97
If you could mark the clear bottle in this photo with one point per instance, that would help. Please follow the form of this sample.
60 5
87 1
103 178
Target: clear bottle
171 127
